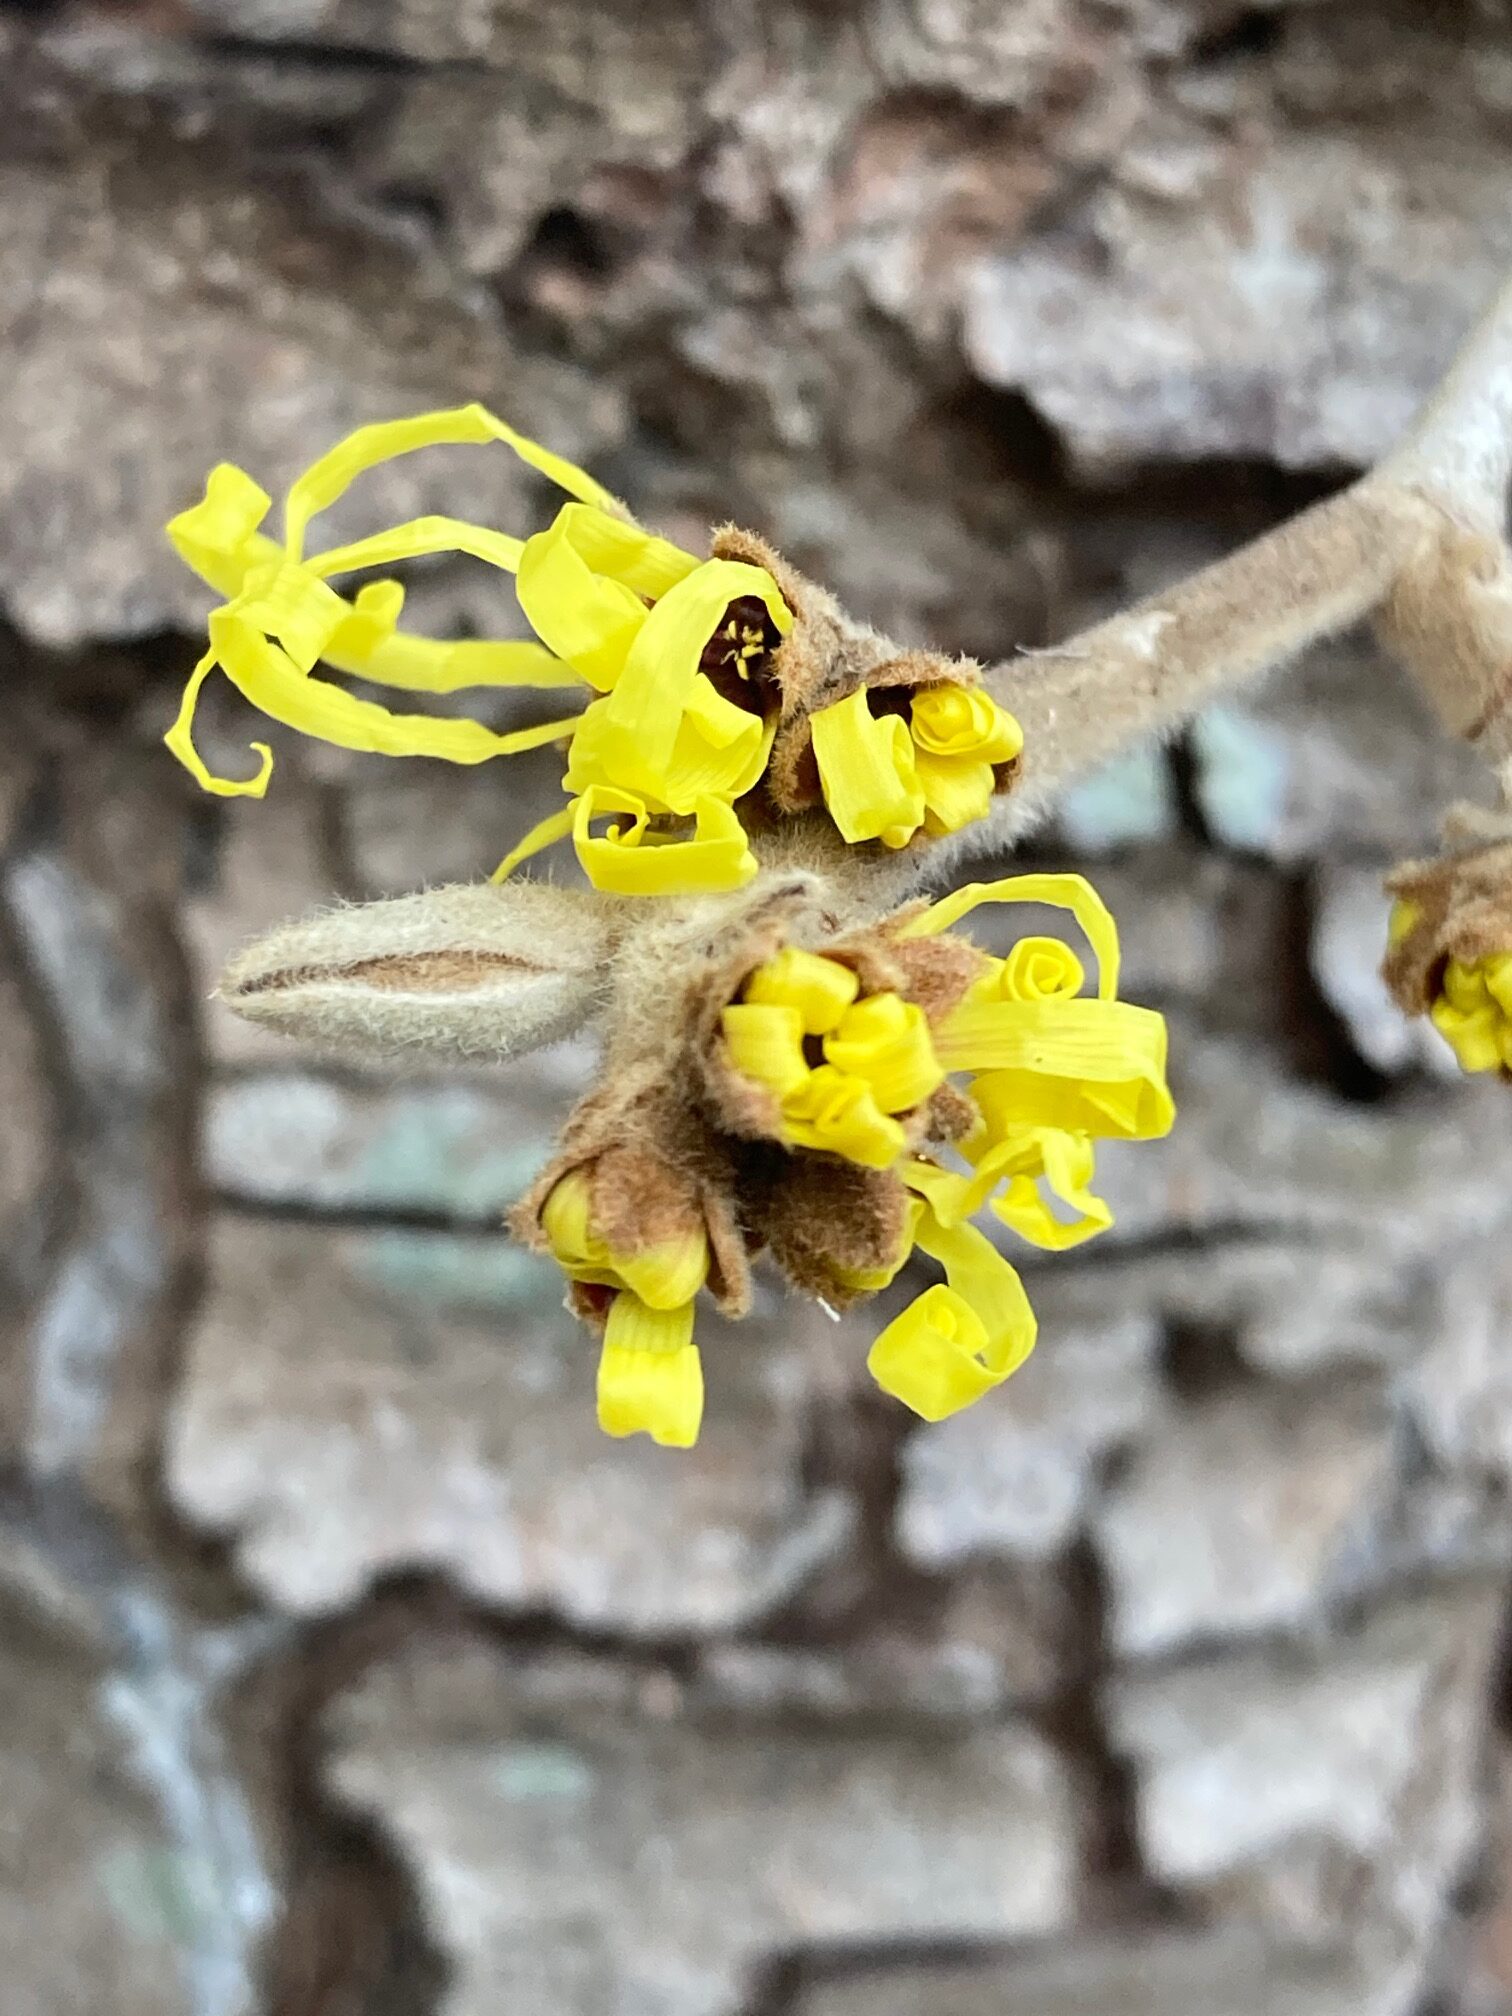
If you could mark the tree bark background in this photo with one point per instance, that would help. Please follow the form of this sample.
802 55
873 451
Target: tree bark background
348 1671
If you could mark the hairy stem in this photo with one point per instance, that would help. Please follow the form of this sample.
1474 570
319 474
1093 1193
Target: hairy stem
1417 543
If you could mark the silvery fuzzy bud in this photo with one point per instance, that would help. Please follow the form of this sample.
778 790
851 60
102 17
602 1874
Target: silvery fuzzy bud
467 971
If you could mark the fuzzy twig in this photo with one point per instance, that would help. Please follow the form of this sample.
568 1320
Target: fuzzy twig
1416 544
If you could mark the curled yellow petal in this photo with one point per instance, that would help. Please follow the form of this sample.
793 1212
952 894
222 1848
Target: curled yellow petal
384 441
276 686
955 1343
1066 892
1065 1163
867 772
218 537
664 1274
932 1357
765 1043
959 721
588 619
1088 1067
650 1380
180 739
885 1041
1039 969
1473 1034
633 861
834 1112
820 989
649 699
957 791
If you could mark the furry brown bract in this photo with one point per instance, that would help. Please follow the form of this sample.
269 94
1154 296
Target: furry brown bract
677 1150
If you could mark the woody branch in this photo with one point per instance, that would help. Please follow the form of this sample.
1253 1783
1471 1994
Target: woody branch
1417 544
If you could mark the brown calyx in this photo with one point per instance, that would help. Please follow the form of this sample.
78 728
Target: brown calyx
1464 901
823 659
822 1217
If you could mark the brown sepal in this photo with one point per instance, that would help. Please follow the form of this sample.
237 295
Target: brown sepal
1465 900
818 1215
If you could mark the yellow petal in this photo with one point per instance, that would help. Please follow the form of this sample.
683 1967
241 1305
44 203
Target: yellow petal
1039 969
458 426
1404 917
650 1380
589 620
652 693
670 1272
1050 1064
955 1343
1498 971
837 1113
275 685
820 989
932 1356
1067 892
885 1040
1465 986
1065 1162
564 1220
867 773
180 739
632 861
765 1043
623 551
545 833
418 537
1471 1034
218 537
957 791
964 721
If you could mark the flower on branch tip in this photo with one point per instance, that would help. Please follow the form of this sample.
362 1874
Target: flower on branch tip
678 659
1047 1071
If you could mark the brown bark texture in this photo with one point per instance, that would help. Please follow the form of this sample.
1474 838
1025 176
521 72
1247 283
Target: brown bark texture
347 1670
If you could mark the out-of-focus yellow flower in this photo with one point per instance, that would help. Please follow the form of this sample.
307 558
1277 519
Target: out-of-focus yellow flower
1474 1012
883 778
619 612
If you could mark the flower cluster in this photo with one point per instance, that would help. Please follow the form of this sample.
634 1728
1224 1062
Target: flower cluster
680 658
994 1096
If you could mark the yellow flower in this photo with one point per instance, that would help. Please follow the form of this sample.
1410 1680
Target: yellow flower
884 778
1051 1070
877 1060
620 613
1474 1012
